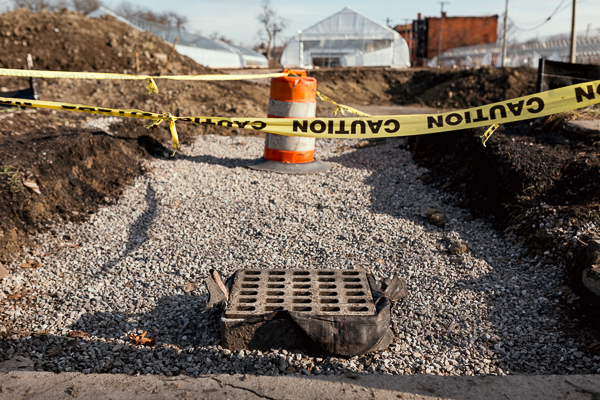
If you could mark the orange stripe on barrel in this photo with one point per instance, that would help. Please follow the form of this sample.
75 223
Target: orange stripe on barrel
294 157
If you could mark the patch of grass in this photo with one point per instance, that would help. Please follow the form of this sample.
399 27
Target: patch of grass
554 121
11 179
591 112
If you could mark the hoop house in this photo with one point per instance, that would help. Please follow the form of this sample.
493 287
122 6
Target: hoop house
346 39
204 51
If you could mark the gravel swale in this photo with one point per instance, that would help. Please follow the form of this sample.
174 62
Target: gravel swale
138 265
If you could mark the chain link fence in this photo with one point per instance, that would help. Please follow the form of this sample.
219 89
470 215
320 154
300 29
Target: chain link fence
556 48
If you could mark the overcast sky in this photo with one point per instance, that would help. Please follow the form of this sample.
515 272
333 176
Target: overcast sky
237 19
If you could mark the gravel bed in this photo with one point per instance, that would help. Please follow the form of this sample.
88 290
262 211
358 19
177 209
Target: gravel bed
138 265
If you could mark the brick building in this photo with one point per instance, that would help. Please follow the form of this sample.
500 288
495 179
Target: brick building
423 35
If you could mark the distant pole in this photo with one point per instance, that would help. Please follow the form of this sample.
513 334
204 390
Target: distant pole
504 36
440 36
573 54
408 32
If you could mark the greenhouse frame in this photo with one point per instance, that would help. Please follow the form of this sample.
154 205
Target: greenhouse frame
346 39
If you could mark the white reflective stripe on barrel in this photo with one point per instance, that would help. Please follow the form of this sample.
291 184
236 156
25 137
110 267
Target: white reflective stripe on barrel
289 143
289 109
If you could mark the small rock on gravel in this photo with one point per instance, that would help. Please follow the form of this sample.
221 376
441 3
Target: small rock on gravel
436 217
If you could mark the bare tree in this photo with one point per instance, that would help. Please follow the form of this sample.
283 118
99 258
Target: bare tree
176 20
272 24
166 18
86 6
36 5
217 36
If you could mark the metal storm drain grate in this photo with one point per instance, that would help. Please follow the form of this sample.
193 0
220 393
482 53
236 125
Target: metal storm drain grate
318 292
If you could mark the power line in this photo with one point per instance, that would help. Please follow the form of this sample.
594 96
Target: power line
556 10
440 34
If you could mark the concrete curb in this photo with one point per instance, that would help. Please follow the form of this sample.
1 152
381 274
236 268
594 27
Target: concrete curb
47 385
584 125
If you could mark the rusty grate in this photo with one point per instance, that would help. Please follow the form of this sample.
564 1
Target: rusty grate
318 292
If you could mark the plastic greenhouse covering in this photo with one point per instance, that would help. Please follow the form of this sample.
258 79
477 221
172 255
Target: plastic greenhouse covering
346 39
204 51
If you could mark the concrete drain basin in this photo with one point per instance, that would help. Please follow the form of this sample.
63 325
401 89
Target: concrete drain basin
339 312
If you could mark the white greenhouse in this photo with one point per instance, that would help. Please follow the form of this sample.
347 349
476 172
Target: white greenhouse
346 39
204 51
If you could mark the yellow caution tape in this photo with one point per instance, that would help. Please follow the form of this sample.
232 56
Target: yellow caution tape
488 134
109 75
522 108
152 88
172 128
340 107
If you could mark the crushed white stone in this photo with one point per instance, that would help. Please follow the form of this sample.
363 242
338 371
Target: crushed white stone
138 265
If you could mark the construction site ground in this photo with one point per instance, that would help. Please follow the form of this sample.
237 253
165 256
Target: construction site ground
536 182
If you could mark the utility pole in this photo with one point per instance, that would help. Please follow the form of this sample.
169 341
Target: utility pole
573 53
408 32
440 35
504 36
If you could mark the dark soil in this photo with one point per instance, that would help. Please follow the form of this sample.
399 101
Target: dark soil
463 88
75 171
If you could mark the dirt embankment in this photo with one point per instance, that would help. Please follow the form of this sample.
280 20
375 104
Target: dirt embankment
67 41
463 88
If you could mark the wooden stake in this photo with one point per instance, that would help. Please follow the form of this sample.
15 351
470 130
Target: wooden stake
171 54
34 89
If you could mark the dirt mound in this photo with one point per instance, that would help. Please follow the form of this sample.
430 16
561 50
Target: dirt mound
360 86
69 41
463 88
441 88
73 170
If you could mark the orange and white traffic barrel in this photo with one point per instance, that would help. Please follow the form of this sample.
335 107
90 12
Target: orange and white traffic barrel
292 96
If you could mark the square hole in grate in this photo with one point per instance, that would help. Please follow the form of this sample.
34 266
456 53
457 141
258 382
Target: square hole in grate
305 309
275 286
352 294
353 286
301 286
249 286
301 301
328 293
